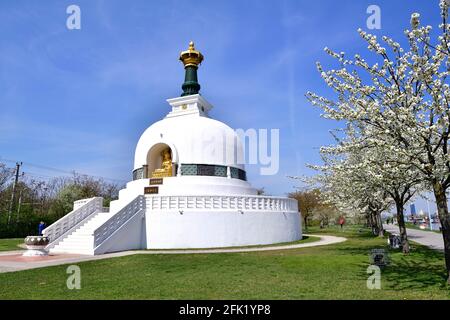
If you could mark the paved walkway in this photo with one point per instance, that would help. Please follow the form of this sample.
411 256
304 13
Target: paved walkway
14 261
430 239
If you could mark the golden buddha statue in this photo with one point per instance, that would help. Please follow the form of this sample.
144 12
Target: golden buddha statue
166 165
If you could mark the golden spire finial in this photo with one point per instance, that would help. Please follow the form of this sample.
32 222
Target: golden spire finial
191 57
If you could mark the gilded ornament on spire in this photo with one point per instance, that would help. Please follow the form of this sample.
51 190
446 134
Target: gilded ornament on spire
191 57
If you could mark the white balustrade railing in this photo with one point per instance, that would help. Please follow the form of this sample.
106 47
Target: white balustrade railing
243 203
79 203
82 210
118 219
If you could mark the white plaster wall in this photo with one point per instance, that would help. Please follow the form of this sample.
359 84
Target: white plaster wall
197 229
184 185
193 139
131 235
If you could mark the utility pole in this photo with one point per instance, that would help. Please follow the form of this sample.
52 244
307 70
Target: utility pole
20 201
13 195
429 215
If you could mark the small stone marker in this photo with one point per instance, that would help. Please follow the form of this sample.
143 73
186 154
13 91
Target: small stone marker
379 257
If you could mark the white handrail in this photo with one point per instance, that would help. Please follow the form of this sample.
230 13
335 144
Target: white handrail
211 202
60 228
108 228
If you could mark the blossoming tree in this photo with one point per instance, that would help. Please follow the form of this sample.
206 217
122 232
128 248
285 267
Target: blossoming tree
402 104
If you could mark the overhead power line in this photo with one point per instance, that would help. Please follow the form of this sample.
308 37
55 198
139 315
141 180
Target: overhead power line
72 172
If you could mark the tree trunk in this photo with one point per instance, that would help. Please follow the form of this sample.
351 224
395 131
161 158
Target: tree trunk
305 219
444 218
380 225
376 223
402 228
368 223
373 223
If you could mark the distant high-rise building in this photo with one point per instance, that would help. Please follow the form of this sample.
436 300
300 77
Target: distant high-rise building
413 209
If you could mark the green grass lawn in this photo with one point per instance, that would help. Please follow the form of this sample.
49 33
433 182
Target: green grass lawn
326 272
10 244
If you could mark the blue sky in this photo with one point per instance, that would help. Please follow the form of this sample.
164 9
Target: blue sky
80 99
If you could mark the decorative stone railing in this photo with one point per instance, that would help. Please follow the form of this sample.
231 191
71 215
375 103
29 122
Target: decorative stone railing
108 228
82 210
240 203
79 203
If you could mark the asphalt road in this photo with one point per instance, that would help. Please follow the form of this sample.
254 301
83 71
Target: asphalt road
430 239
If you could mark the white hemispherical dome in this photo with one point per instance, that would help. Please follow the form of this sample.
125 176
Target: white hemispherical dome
193 139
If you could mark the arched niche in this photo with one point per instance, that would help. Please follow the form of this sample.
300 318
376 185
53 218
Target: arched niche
154 159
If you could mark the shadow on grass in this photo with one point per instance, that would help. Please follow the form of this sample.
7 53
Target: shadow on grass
409 274
358 250
421 269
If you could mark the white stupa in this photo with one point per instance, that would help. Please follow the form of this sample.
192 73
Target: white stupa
189 190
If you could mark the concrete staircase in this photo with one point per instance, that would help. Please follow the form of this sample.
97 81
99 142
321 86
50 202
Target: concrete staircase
81 241
91 229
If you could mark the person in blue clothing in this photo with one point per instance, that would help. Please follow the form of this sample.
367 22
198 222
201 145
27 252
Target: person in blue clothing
41 227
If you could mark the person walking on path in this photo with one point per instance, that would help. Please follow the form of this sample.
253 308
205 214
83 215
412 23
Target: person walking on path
41 227
341 222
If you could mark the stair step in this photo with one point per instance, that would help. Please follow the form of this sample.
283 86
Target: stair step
77 242
82 240
77 251
75 247
80 237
